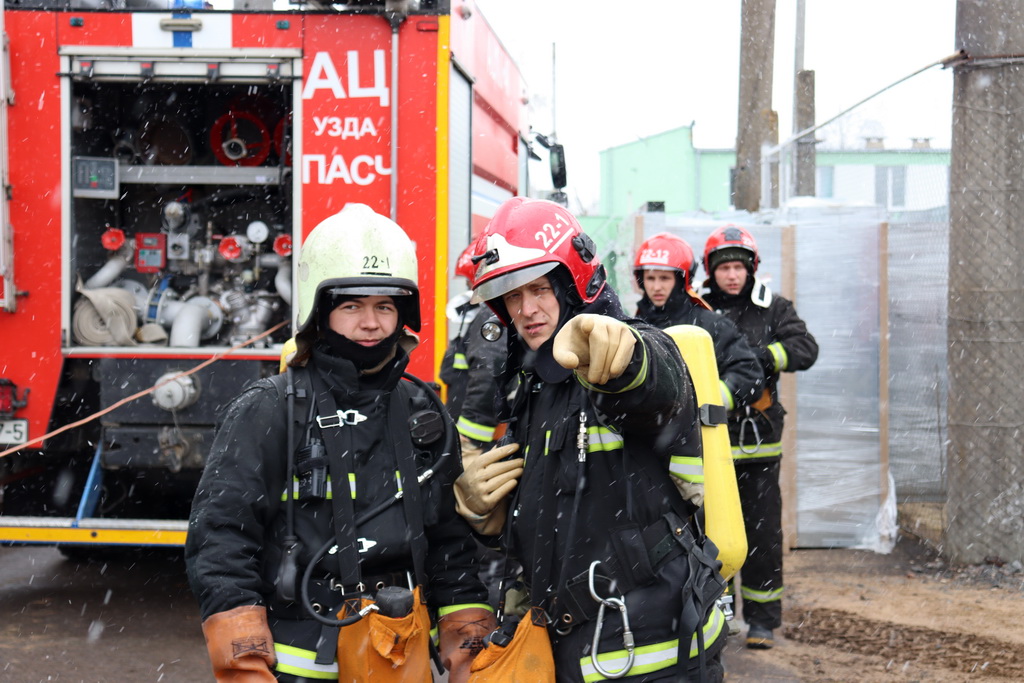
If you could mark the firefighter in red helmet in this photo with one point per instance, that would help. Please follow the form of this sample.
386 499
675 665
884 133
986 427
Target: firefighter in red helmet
579 490
471 362
470 368
664 269
782 344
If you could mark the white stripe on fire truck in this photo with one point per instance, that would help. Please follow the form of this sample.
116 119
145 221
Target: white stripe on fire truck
215 32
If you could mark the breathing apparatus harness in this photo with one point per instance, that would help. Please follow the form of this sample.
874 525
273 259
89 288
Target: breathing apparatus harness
579 599
422 429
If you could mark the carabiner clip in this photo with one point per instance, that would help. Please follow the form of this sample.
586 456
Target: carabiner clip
743 429
627 635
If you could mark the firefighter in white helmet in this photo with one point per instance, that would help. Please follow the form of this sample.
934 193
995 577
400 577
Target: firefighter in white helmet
341 514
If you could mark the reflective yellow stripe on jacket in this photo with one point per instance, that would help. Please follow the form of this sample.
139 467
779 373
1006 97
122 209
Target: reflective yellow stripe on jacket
765 450
330 491
655 657
299 662
687 468
603 439
472 430
780 356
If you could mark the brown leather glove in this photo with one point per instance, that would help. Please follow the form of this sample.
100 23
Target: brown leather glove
462 637
240 645
597 347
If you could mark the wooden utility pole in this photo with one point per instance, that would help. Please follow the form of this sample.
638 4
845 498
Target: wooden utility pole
757 53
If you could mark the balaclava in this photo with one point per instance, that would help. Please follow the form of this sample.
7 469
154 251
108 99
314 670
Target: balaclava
363 357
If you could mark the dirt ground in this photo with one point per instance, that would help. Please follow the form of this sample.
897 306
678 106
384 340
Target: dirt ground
849 615
853 615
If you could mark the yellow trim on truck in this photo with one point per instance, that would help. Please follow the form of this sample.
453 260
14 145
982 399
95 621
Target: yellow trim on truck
53 530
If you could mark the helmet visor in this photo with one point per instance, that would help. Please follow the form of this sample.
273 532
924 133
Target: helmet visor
658 266
506 282
370 290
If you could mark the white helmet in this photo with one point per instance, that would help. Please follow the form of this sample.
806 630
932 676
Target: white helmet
357 252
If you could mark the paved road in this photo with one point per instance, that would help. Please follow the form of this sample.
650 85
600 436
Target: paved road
133 618
129 619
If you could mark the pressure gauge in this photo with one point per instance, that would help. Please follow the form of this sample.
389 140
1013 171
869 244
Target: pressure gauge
257 232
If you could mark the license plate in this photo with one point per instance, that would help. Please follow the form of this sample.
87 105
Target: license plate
13 431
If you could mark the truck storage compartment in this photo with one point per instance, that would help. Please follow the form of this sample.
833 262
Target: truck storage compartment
181 217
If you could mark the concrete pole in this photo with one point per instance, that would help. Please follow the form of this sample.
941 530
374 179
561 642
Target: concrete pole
757 53
985 497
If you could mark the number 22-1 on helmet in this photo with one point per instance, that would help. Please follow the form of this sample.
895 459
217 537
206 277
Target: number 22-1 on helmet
528 238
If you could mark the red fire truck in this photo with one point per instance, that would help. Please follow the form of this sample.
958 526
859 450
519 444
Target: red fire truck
160 164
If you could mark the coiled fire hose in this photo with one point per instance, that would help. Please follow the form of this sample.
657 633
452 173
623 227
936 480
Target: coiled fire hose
105 317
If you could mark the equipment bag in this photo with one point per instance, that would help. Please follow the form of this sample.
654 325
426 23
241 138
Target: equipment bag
522 656
380 648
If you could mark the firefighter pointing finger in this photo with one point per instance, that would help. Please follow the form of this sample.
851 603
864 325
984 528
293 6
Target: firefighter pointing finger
323 541
598 409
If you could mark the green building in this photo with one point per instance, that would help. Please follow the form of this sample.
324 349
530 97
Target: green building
667 168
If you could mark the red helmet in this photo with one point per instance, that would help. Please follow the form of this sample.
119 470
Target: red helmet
730 243
665 251
465 267
528 238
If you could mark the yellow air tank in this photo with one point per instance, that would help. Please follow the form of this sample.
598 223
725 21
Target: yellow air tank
723 516
287 351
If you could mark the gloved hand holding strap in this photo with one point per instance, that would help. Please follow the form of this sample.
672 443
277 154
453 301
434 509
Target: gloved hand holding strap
481 491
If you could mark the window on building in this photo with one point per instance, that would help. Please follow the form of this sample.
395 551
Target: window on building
826 182
891 186
882 185
899 186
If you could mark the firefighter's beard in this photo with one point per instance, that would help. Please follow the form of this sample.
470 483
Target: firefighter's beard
363 357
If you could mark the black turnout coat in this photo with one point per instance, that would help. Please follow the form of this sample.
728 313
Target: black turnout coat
237 528
565 514
782 343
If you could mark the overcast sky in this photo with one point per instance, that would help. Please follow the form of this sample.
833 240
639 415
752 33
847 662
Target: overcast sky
623 73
